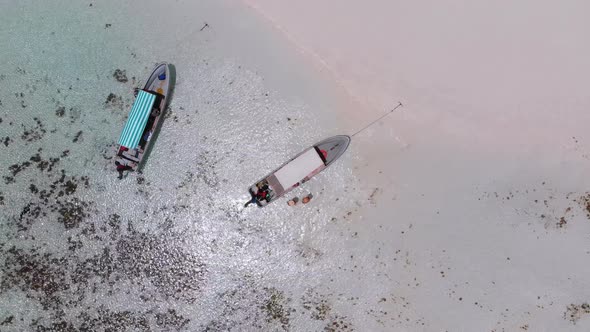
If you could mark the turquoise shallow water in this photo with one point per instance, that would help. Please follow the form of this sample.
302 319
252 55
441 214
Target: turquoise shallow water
172 249
452 226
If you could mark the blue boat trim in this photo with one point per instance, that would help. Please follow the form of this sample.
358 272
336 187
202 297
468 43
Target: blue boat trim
137 120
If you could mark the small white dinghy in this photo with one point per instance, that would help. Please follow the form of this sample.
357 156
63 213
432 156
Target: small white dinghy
299 169
142 123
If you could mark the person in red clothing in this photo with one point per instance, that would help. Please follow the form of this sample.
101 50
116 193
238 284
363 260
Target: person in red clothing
261 195
122 168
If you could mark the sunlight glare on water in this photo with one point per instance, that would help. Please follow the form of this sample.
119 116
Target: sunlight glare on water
172 248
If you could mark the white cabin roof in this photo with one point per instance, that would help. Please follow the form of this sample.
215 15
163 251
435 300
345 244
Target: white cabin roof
299 168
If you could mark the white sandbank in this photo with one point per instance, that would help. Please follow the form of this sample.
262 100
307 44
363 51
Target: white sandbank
474 173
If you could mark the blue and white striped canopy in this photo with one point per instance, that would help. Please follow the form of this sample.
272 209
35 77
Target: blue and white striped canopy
137 120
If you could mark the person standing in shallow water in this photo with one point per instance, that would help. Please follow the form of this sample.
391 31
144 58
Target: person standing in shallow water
122 168
255 198
252 201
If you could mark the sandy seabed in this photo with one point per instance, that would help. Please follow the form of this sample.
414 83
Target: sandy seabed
446 216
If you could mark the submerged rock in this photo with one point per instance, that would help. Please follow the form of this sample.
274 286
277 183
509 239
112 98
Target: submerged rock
120 75
114 101
60 111
34 134
77 137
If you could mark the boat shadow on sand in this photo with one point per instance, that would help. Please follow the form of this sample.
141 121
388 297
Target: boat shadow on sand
172 86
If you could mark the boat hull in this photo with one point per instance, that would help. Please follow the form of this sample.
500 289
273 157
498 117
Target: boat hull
273 185
160 83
